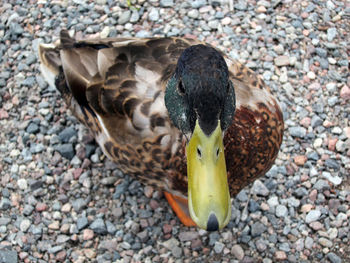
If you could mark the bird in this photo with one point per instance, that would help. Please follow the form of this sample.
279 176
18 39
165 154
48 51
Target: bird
175 113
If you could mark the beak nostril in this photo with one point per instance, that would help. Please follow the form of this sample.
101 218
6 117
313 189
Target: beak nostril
213 224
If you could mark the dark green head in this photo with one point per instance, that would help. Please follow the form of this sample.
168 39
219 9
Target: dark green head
200 89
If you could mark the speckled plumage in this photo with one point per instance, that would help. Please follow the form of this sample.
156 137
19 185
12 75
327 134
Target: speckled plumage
116 87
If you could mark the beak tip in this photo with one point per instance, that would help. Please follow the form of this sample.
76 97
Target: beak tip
213 224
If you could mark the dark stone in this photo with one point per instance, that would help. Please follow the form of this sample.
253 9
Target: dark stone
66 150
82 222
66 134
32 128
99 226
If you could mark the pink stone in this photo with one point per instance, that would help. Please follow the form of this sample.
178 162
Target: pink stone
88 234
347 132
316 225
314 86
280 255
40 207
300 160
167 229
313 195
77 172
331 143
3 114
345 92
305 122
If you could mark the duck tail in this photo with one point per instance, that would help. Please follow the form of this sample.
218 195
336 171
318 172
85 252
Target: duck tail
50 62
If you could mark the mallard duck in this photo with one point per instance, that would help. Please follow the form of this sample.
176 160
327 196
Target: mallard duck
173 112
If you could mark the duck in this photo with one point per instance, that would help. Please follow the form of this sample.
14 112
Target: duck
173 112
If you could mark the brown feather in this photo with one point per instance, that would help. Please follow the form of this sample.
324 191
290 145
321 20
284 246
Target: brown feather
116 86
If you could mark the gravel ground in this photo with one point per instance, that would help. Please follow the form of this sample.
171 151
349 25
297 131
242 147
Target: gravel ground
61 200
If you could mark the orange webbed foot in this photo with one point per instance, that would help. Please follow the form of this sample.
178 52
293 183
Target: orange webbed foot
180 207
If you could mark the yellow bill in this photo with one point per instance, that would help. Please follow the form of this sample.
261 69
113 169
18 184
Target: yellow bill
208 193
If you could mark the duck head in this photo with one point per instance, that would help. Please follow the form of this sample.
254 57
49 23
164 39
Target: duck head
200 100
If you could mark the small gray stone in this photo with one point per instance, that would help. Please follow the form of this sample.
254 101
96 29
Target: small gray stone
321 52
29 81
28 210
62 239
25 224
309 242
67 134
188 236
316 121
213 24
5 204
336 180
111 229
281 211
134 17
193 13
124 17
109 180
66 150
299 132
143 34
333 164
8 256
166 3
169 244
259 188
321 185
312 216
218 247
281 61
82 222
198 3
79 204
4 221
176 251
332 101
334 258
331 33
153 15
99 226
257 229
32 128
55 249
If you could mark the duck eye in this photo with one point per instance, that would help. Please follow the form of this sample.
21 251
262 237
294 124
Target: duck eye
228 87
181 88
199 153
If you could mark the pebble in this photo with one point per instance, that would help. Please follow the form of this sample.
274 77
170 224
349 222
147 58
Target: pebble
124 17
22 184
259 188
281 211
237 251
257 229
331 33
25 224
334 258
281 61
336 180
299 132
153 15
98 226
312 216
88 234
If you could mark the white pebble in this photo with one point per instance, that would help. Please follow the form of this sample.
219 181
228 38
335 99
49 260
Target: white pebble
22 184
